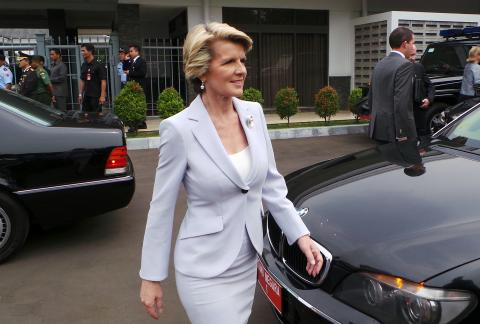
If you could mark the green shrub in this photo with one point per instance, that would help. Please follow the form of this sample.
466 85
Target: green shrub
353 99
252 94
169 103
131 105
326 102
286 102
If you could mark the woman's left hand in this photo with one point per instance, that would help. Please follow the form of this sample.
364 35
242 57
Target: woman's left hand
312 253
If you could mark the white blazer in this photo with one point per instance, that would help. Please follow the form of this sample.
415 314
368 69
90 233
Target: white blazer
219 203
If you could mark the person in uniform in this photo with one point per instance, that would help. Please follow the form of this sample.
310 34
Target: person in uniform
28 80
122 57
93 81
43 87
6 75
42 63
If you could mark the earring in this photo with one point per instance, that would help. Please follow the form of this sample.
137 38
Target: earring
202 86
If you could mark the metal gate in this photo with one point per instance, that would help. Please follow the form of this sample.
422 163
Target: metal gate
164 65
164 69
71 58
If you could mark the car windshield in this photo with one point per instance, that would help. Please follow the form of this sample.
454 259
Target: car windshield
467 130
29 109
445 59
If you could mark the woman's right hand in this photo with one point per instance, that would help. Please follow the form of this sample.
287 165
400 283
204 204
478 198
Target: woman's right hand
151 296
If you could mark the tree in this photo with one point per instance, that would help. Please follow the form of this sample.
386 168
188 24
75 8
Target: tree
169 103
131 105
326 103
286 102
252 94
353 99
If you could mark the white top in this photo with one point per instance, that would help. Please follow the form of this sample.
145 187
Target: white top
242 161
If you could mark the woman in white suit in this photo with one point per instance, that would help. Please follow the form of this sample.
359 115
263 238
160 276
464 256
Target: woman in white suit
220 150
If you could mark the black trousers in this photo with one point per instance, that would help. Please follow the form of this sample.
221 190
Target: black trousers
420 115
91 104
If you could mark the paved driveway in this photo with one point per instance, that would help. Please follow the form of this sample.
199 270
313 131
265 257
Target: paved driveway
87 272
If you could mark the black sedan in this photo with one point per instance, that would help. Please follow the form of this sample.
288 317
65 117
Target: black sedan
399 228
57 167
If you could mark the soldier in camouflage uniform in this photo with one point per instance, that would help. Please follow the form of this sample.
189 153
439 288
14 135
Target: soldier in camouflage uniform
43 89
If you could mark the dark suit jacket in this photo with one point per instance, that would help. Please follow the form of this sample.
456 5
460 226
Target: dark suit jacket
423 86
391 99
58 77
138 71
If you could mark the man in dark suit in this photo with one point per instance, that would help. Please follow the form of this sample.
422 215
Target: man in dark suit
137 71
423 96
391 91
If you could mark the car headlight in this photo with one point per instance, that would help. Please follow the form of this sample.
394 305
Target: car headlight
398 301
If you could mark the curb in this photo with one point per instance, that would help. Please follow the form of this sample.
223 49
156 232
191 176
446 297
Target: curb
154 142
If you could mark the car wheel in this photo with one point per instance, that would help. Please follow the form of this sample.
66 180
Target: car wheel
14 226
435 118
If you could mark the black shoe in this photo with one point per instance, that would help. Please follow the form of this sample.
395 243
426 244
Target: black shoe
132 130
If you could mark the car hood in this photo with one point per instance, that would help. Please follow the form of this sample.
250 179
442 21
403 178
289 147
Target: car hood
372 216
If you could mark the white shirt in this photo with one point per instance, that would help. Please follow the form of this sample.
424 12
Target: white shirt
121 74
403 55
242 161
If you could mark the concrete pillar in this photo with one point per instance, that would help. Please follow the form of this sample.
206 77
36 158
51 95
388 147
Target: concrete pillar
114 40
40 49
364 8
341 52
206 11
128 24
194 16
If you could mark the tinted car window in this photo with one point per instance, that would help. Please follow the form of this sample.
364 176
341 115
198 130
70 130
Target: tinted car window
445 59
29 109
467 130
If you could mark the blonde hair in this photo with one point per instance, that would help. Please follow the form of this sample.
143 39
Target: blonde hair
474 51
196 49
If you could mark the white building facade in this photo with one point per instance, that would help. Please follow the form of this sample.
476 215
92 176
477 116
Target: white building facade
305 44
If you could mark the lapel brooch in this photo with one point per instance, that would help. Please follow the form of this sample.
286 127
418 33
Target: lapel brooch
250 122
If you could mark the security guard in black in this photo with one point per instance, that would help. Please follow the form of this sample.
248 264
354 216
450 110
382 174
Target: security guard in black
92 81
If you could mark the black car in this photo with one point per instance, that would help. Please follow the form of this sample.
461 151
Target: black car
444 63
399 228
57 167
455 111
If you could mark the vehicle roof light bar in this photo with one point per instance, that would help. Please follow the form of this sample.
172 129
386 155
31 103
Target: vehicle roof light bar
465 32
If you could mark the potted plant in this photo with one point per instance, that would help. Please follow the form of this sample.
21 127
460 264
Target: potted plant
131 105
286 102
353 99
252 94
326 103
169 103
